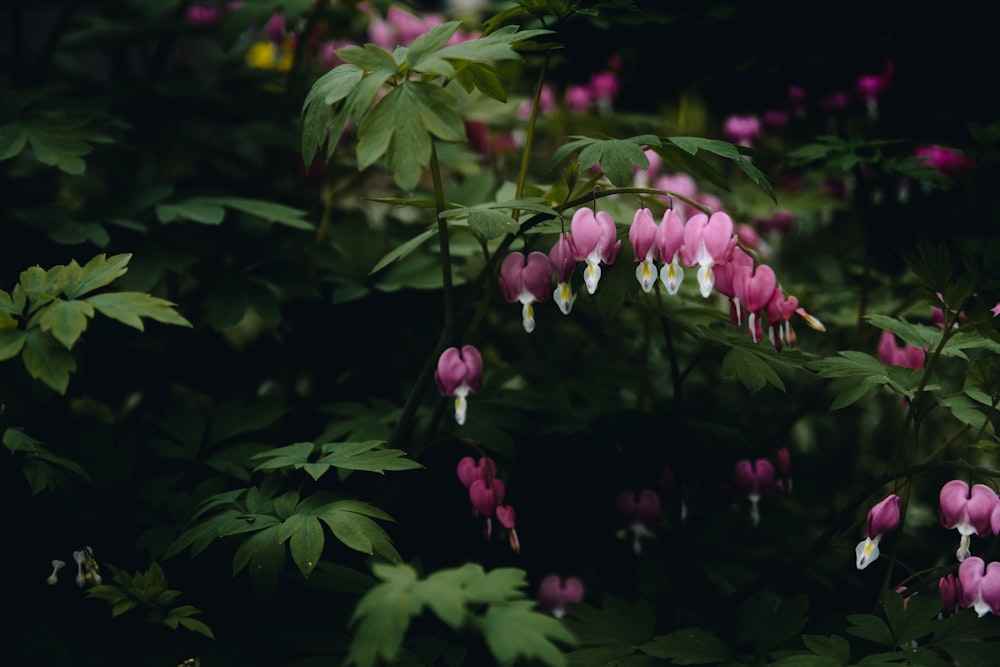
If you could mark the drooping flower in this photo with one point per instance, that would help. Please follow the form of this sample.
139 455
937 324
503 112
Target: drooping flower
779 311
638 514
882 518
753 481
669 239
948 161
53 578
784 459
485 496
578 98
643 234
968 512
459 373
506 515
951 594
563 260
708 241
526 280
469 470
595 241
555 593
87 569
755 289
724 275
980 585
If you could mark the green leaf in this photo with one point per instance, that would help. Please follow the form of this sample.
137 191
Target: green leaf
65 320
359 533
265 556
871 628
212 210
77 280
47 360
368 456
401 125
426 44
11 343
497 45
723 149
483 77
382 616
403 250
690 646
294 455
516 630
317 113
306 544
750 369
834 646
616 156
492 224
130 307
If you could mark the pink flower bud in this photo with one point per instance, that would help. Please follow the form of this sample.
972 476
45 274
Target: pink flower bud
555 593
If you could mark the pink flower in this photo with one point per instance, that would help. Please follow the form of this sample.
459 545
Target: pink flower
604 88
784 459
274 29
578 98
779 315
555 593
594 239
643 234
526 280
742 130
724 275
708 241
202 15
890 354
469 470
754 289
669 240
882 518
639 514
459 373
969 513
980 585
951 594
563 260
505 515
754 481
948 161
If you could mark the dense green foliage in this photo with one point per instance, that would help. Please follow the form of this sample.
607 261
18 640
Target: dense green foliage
293 219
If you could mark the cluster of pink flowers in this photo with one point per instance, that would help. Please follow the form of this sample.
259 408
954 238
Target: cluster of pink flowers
973 511
600 91
708 242
948 161
486 493
977 587
757 480
400 28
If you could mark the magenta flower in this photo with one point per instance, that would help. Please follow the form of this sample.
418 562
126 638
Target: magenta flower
594 239
669 240
643 234
555 593
604 89
980 585
890 354
638 514
951 594
486 495
784 459
578 98
742 130
754 289
724 275
563 260
526 280
882 518
779 316
948 161
202 15
459 373
708 241
754 481
969 513
505 515
469 470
